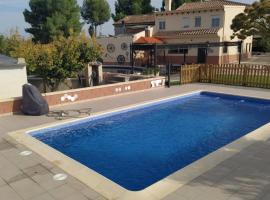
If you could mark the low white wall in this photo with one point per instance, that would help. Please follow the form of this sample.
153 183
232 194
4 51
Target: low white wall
11 81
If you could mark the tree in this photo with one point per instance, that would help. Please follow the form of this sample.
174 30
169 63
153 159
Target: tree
2 44
56 61
177 3
254 21
95 13
131 7
50 19
10 42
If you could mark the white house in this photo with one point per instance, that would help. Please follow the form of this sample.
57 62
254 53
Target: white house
191 24
12 77
201 22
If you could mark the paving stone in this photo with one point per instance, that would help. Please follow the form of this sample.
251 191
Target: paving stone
175 196
44 197
6 193
8 171
265 196
186 192
47 182
36 169
22 162
62 192
2 182
213 176
27 188
90 193
250 189
101 198
4 145
17 178
48 165
4 162
76 184
56 170
77 196
211 193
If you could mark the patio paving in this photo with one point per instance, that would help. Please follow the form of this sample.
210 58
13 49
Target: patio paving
263 59
245 176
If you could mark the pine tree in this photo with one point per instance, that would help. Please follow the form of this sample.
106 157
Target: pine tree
50 19
131 7
95 13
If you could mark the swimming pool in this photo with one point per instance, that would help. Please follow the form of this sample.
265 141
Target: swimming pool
136 148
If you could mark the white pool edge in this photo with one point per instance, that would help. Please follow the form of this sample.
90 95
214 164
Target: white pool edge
156 191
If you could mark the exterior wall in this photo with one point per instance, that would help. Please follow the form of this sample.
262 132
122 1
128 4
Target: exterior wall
53 99
191 56
110 58
229 58
174 22
12 78
233 54
230 13
247 47
179 59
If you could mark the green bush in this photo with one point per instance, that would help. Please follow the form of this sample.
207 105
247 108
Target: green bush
56 61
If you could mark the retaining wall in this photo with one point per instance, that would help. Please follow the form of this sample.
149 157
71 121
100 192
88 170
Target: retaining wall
84 94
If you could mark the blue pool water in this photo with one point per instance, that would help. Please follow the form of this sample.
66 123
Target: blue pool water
139 147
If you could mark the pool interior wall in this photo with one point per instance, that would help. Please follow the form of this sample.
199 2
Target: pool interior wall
137 147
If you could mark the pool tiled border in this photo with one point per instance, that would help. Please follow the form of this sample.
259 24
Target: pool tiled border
156 191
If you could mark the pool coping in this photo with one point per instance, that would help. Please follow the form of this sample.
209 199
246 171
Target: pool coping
158 190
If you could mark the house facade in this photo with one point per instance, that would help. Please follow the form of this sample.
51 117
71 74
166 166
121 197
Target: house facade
191 24
202 22
116 49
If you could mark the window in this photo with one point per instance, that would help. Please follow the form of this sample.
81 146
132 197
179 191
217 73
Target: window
186 22
173 51
178 51
198 21
183 51
225 49
215 21
162 25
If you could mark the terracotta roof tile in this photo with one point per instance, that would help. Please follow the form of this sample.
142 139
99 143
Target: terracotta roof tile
187 32
206 5
137 19
149 40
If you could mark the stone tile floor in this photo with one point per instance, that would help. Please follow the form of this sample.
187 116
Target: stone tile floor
31 177
245 176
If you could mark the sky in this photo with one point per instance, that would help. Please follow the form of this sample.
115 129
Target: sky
11 15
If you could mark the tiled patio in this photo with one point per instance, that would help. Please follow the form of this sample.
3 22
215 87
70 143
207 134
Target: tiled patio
244 176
